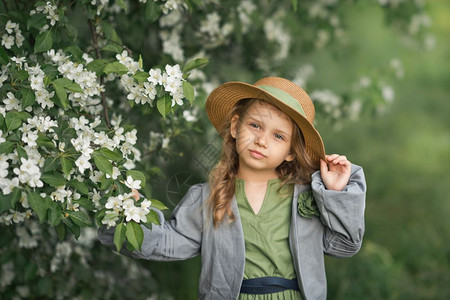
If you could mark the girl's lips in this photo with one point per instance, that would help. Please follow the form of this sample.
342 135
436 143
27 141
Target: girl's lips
256 154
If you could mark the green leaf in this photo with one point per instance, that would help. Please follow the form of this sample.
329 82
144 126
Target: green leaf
188 91
79 186
137 175
36 21
21 153
44 42
119 236
39 205
152 217
60 231
62 94
111 33
75 51
115 67
194 64
86 203
68 85
54 214
158 204
54 179
76 231
28 97
5 204
44 141
4 59
141 62
97 65
111 47
15 196
135 235
6 147
130 247
30 271
50 164
164 105
112 155
152 11
66 165
80 218
105 182
12 120
71 31
99 216
23 115
141 77
44 287
103 164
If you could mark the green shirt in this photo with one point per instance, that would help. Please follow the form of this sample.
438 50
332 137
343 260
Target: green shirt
266 236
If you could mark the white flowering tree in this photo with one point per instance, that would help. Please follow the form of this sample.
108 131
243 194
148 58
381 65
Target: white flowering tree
80 80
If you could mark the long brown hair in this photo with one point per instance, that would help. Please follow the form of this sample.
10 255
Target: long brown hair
222 176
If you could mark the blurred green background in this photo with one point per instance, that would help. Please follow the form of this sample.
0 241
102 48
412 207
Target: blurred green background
405 153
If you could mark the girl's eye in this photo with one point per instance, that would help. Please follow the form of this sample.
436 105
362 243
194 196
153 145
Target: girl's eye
278 136
254 125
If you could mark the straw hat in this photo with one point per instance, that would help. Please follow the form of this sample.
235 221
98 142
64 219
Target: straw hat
282 93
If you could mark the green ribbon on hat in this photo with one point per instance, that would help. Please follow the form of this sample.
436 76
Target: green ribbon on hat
284 97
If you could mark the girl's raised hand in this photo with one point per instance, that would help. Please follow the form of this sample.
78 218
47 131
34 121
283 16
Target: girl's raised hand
335 171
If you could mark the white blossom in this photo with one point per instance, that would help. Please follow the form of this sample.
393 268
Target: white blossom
7 41
83 163
11 102
387 93
115 173
132 184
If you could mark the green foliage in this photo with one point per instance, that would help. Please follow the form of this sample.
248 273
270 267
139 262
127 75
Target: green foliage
93 100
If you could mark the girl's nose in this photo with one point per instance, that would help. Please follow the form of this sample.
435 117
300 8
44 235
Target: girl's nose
261 140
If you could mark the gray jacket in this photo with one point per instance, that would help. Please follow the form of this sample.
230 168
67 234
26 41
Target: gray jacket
190 232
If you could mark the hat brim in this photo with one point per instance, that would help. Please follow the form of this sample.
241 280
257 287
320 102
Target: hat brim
222 100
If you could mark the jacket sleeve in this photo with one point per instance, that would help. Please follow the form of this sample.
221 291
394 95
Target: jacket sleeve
175 239
342 213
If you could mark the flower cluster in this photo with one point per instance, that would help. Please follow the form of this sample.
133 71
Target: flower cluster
328 100
125 205
13 35
88 139
276 32
36 78
245 10
88 99
169 5
303 74
29 233
170 34
50 12
212 30
323 12
141 93
15 216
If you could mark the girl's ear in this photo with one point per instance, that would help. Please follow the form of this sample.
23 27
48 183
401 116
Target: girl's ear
290 157
234 125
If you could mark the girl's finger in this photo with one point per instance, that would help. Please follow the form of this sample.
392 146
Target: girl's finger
339 159
331 157
323 166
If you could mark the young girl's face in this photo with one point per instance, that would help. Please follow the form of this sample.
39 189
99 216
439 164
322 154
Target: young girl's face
263 138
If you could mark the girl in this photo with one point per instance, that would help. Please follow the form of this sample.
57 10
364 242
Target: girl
274 204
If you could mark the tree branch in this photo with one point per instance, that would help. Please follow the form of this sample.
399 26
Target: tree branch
99 55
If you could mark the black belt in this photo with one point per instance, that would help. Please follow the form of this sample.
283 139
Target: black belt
268 285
